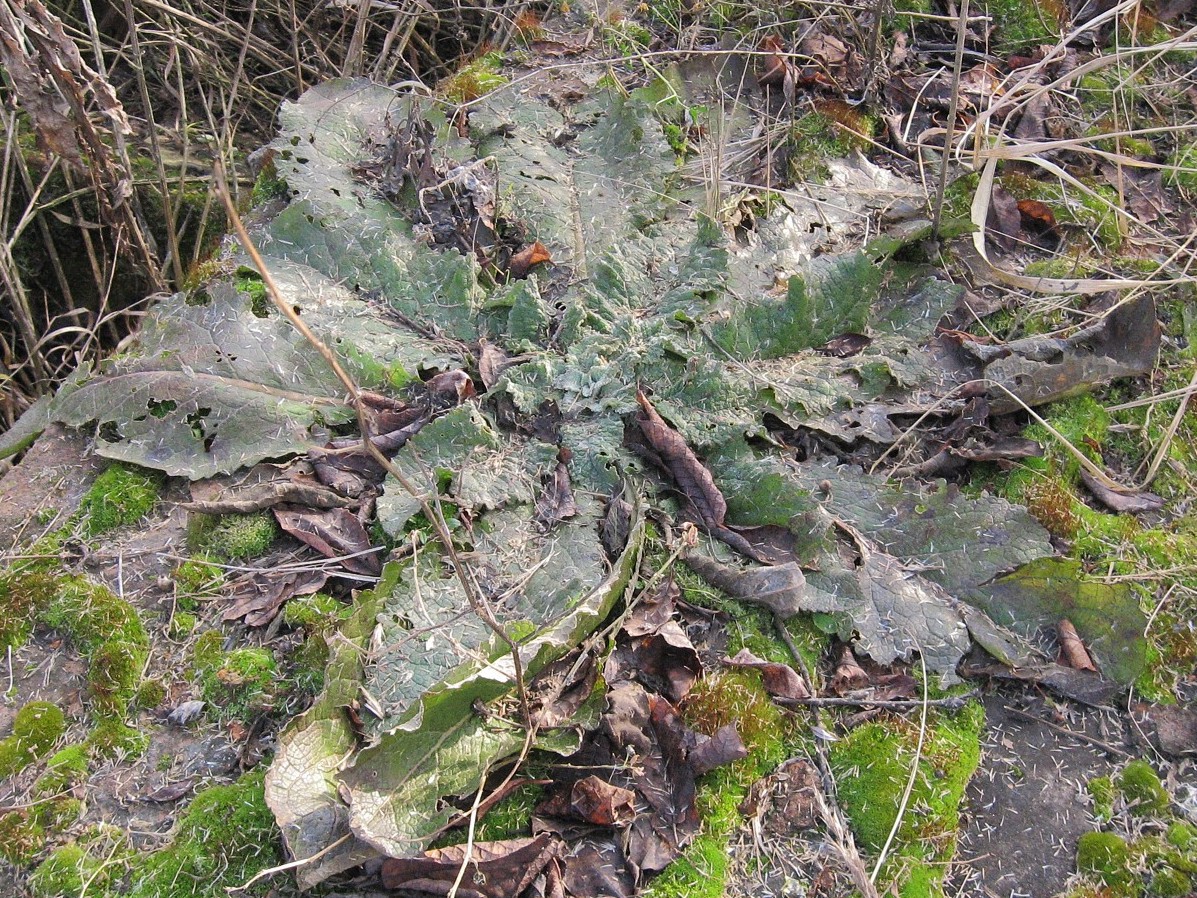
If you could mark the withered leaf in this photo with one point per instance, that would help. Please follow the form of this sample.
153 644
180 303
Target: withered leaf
714 751
602 804
172 791
845 345
334 533
1130 502
779 680
787 800
527 258
690 475
1072 649
556 503
1175 728
257 597
494 869
1037 217
663 660
778 587
492 362
849 675
558 691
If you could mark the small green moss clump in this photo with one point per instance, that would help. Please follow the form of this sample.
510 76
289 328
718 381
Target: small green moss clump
1182 835
240 536
1101 790
474 80
1182 169
1142 790
64 769
317 613
113 738
23 594
195 579
1169 882
1022 24
67 872
120 496
36 729
872 766
21 837
109 633
226 836
1107 857
240 682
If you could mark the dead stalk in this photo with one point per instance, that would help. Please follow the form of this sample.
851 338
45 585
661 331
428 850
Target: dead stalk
953 110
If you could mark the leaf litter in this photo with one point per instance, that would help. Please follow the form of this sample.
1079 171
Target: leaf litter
610 291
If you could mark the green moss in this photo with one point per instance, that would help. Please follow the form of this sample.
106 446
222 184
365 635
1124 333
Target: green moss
114 675
195 579
24 593
872 766
64 769
1142 790
701 871
91 615
239 683
208 650
250 283
36 729
150 694
1107 857
226 836
1101 790
310 662
832 132
182 625
1182 835
1169 883
21 838
509 819
1023 24
317 613
474 80
122 495
66 873
1182 169
238 536
269 184
113 738
56 814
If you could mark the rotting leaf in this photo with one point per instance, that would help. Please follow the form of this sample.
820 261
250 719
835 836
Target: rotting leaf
1107 616
492 869
691 476
781 588
779 680
334 533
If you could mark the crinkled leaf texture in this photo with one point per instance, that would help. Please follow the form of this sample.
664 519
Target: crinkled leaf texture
643 293
208 389
894 562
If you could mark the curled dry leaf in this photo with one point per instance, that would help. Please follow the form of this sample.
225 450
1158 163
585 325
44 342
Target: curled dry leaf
493 869
779 680
527 258
556 503
1133 502
849 675
779 587
602 803
334 533
691 476
1072 649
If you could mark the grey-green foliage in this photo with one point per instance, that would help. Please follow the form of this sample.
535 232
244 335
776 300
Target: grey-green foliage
645 293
